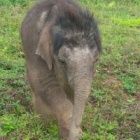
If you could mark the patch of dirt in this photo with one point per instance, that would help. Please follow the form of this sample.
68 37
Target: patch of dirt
12 95
4 138
137 97
113 81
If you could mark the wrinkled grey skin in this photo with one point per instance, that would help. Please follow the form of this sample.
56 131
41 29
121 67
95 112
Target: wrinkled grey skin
58 88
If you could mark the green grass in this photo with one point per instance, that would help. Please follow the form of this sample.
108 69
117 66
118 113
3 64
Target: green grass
113 109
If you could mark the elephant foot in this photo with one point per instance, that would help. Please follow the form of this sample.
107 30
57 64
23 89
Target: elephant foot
63 133
75 133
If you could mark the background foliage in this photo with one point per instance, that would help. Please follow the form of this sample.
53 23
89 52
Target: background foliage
113 109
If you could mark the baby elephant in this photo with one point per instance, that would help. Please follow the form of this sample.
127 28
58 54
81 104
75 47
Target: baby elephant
61 43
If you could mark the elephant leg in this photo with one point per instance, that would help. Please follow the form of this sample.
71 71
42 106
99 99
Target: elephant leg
40 106
48 97
61 107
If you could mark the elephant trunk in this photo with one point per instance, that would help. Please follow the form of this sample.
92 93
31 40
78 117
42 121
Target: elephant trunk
81 92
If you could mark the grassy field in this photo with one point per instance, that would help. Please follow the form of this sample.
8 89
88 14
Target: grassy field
113 109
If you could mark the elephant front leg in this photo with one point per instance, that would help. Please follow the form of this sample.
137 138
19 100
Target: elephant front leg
61 107
64 121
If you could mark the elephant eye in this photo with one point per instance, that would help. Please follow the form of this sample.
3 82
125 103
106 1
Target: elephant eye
62 61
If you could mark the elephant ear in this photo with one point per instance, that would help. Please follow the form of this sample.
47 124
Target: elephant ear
44 48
